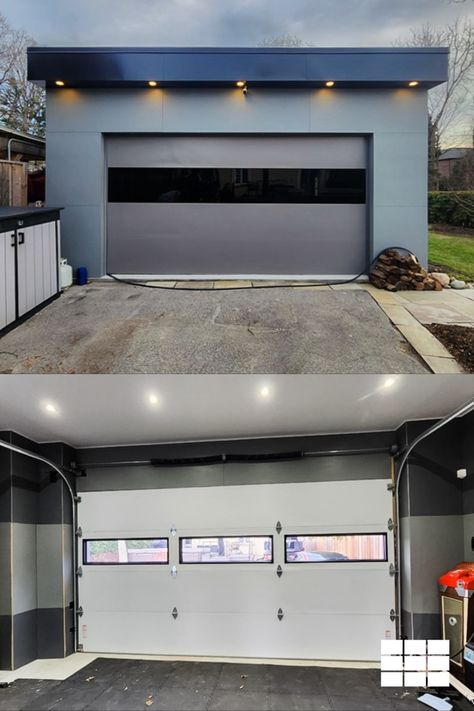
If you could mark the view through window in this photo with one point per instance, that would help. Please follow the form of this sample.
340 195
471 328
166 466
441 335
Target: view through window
226 549
336 548
125 551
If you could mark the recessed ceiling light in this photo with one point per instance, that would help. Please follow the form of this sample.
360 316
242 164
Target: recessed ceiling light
413 83
329 83
240 84
264 392
152 83
58 82
50 408
153 399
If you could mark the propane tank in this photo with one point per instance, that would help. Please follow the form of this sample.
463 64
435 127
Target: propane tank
65 273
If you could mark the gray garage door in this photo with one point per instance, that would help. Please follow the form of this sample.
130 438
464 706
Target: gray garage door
236 205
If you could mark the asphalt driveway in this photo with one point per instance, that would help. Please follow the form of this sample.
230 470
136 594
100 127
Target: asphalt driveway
117 328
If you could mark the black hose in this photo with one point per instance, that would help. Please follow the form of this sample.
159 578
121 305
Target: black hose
260 286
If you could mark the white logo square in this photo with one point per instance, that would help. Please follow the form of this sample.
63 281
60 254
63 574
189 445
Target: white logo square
391 646
438 646
391 679
415 663
438 678
414 678
440 663
415 646
391 662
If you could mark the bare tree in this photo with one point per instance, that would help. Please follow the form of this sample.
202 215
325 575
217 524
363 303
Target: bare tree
283 41
450 104
22 103
8 48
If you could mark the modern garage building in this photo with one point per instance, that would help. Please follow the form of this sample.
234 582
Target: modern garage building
220 162
210 522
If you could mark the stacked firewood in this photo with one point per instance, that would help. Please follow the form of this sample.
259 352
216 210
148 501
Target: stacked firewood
395 271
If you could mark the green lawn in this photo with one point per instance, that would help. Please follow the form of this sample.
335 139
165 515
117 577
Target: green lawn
454 253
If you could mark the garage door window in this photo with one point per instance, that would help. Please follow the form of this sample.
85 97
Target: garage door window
226 549
237 185
336 548
126 551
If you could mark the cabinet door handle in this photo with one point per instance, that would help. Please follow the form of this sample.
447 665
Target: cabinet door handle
13 239
21 238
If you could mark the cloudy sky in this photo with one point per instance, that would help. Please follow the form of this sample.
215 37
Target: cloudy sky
226 22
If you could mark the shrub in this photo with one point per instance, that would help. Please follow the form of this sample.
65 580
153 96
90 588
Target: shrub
453 207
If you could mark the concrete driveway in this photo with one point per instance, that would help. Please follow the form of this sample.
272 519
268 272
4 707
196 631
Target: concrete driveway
117 328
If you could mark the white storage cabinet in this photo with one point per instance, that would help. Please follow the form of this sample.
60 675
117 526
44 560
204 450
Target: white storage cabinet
29 261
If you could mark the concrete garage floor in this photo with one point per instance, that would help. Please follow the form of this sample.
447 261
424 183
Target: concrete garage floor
117 328
136 685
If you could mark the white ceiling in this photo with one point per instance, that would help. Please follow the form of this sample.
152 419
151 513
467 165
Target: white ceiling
87 410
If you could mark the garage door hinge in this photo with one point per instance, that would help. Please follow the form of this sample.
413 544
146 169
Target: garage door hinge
79 532
79 572
391 525
279 571
79 612
392 570
174 614
280 614
278 527
80 647
391 487
77 499
393 615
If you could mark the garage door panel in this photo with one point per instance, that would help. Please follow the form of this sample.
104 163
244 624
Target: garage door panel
316 636
238 151
216 239
329 590
229 509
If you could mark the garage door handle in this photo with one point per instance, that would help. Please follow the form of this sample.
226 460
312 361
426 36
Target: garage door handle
13 239
280 614
174 614
21 238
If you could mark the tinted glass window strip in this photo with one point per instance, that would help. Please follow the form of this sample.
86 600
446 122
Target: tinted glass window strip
126 551
225 550
336 548
238 185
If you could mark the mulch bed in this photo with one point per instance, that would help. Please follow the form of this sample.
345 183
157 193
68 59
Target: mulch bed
459 341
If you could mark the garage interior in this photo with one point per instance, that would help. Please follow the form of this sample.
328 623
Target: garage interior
235 520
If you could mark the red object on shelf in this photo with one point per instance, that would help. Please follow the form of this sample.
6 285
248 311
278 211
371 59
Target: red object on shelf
461 578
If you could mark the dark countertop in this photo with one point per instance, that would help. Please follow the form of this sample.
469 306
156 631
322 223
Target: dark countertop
9 213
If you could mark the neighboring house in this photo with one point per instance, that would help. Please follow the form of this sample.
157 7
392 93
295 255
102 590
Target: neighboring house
454 163
221 162
18 146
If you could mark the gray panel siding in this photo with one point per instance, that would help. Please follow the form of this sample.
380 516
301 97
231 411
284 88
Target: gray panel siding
236 151
232 474
24 567
6 642
5 570
50 633
435 546
49 576
25 643
218 239
396 119
427 625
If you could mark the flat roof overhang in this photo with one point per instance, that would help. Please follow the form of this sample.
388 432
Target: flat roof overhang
219 66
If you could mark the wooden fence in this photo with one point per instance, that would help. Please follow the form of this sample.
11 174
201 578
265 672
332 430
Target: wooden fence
13 183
